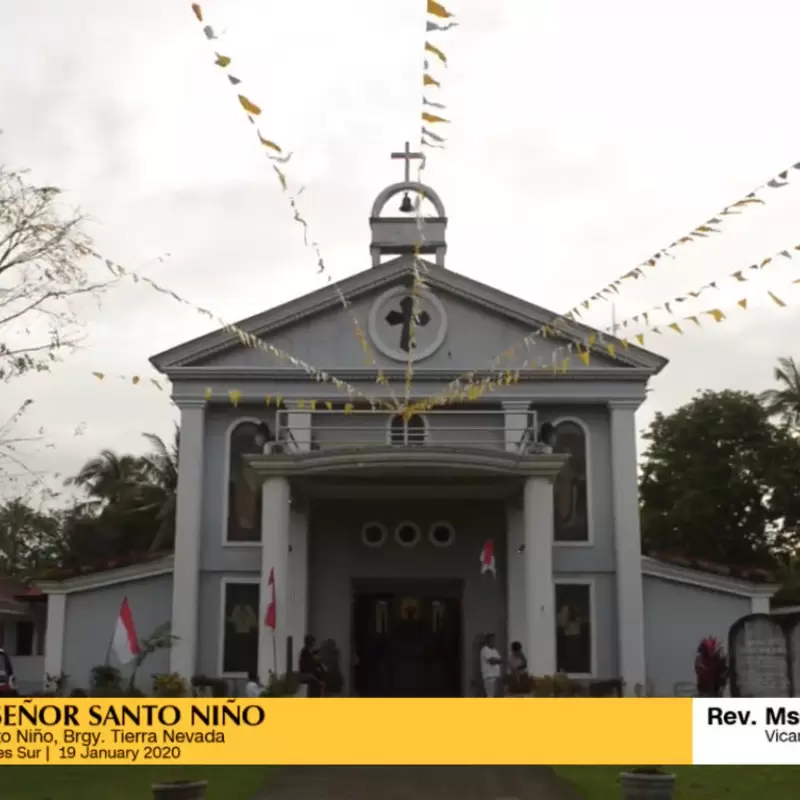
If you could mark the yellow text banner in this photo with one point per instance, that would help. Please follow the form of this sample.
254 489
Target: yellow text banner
285 731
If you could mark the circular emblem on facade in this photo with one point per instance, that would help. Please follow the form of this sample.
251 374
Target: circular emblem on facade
407 534
401 325
441 534
374 534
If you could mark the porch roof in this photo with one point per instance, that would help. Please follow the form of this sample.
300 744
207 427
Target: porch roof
399 462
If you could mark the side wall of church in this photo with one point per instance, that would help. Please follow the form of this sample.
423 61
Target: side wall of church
338 556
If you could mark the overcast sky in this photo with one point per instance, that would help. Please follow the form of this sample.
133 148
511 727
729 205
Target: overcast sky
584 137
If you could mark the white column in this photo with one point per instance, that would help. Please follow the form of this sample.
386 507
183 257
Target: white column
298 579
628 543
274 559
515 591
299 424
516 421
540 613
54 634
188 516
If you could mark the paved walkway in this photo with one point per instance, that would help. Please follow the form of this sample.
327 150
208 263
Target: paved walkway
416 783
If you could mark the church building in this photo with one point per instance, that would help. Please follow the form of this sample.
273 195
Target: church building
404 538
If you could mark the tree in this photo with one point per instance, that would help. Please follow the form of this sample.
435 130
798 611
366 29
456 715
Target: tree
41 248
29 539
718 482
784 401
134 496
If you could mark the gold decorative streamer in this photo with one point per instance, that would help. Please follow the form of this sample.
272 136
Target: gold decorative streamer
277 156
738 276
703 231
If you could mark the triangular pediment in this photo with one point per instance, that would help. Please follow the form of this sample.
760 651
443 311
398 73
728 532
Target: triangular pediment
461 324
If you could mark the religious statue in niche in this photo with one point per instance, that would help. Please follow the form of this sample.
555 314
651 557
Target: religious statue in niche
409 609
570 506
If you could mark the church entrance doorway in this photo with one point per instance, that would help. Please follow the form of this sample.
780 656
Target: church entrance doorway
406 638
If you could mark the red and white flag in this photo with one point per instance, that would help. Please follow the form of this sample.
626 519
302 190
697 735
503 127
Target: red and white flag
271 618
487 558
125 641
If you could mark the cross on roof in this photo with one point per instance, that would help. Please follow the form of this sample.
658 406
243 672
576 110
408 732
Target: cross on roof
407 155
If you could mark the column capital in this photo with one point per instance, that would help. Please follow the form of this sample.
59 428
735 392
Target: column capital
516 405
189 402
624 405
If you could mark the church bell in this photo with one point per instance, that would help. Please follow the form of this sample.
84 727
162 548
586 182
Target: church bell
406 205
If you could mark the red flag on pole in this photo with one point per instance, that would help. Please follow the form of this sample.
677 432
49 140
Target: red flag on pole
487 558
270 620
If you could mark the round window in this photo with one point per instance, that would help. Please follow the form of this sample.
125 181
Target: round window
407 534
373 534
441 534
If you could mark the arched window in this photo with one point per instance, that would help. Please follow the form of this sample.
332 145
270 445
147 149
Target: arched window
411 432
244 491
570 500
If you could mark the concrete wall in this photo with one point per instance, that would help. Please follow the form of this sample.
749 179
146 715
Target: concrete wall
475 335
91 617
677 616
337 556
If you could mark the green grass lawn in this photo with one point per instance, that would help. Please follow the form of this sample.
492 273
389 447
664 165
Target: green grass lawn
124 782
696 783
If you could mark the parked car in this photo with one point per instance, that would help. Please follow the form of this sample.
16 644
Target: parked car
8 683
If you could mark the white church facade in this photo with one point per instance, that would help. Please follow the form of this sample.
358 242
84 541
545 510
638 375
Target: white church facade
373 524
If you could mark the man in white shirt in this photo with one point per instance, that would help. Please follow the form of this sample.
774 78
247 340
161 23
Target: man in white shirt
491 663
254 687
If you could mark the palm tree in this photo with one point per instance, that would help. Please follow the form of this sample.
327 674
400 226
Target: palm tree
136 493
785 400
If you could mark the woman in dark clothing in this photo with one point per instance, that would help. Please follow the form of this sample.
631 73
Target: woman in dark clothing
312 670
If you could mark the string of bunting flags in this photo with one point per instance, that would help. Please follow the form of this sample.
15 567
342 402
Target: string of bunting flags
703 231
474 384
428 138
279 158
246 338
436 14
739 276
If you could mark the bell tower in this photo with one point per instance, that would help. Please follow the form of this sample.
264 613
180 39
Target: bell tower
408 234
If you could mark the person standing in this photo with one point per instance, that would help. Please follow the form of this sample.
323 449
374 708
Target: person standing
517 662
254 687
311 668
491 664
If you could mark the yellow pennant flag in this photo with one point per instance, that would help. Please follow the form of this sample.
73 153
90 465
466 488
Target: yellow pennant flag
695 320
198 12
267 400
207 393
778 302
739 277
329 405
427 80
438 10
436 51
99 375
432 118
716 314
235 396
640 339
348 408
743 303
564 367
156 384
612 350
135 379
585 357
250 108
675 327
222 61
269 144
301 404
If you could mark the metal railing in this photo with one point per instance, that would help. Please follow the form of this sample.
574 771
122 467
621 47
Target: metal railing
326 430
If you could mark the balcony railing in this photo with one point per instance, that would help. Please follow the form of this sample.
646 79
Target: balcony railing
327 430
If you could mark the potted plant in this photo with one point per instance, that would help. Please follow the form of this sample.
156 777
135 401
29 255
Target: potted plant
169 685
281 685
105 681
180 790
519 685
711 668
647 783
